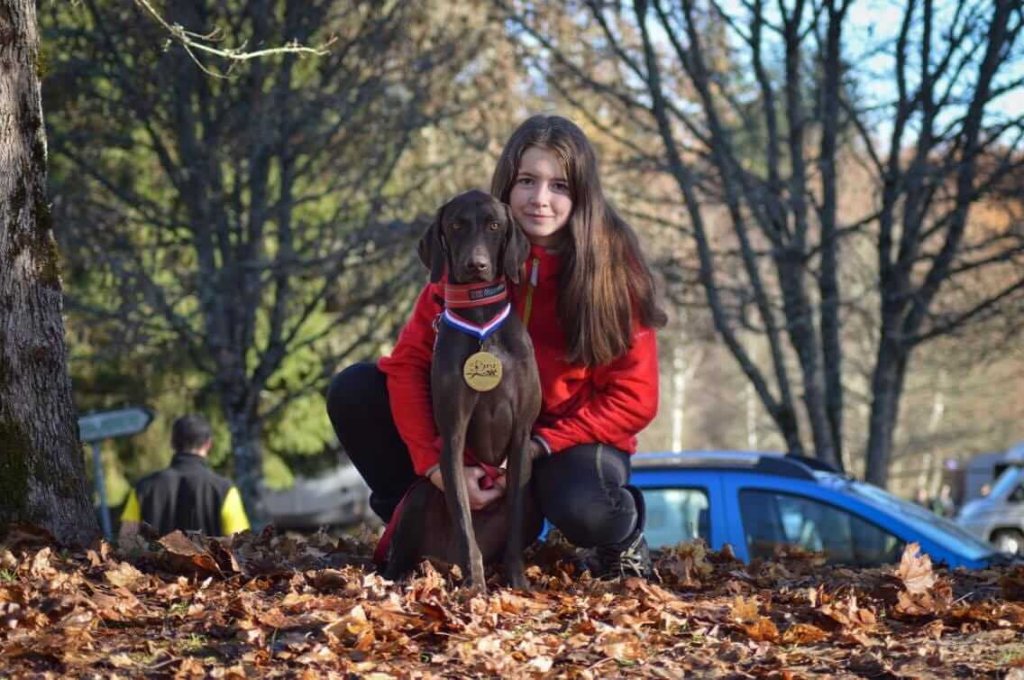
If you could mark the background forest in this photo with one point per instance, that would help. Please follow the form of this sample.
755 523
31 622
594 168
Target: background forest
831 192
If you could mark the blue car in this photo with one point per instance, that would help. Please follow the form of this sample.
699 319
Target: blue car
757 502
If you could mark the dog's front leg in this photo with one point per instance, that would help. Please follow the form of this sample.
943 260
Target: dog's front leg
457 498
519 468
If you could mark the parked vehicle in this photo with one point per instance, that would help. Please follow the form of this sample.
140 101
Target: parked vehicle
337 499
983 469
757 502
999 516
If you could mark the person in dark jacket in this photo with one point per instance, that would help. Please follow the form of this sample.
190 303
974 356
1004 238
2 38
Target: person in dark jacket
943 504
187 494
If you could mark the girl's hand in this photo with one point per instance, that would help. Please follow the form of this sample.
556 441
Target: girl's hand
479 498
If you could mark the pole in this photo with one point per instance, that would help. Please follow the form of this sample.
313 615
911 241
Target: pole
101 492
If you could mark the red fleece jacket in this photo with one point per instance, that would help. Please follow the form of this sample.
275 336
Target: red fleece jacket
607 404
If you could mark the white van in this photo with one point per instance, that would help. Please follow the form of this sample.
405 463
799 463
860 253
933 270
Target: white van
999 516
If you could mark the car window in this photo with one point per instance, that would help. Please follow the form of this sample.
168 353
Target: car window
1009 479
772 519
676 515
922 520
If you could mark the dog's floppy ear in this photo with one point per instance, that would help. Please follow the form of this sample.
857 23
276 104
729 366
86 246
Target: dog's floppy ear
516 247
432 249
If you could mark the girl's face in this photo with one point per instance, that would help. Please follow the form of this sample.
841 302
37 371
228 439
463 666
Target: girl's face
540 198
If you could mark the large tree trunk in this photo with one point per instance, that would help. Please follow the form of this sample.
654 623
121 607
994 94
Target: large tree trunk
42 471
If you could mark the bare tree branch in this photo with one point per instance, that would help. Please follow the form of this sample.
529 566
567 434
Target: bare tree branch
195 42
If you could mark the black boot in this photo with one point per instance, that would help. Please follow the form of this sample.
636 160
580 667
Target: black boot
629 557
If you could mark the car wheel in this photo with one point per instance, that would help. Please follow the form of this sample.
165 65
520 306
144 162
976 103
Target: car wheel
1009 541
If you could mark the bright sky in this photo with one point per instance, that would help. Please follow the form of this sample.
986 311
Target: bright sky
872 24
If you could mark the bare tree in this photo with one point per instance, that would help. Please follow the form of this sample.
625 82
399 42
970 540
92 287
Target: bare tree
755 107
947 81
42 476
249 220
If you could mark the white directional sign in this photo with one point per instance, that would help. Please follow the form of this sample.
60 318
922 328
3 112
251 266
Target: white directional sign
108 424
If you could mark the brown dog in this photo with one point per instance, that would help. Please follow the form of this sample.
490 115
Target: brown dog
476 240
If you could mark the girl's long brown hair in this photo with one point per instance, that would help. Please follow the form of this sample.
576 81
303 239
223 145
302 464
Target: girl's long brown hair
605 279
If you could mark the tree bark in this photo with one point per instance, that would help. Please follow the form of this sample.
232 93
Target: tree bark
828 286
246 429
886 390
42 470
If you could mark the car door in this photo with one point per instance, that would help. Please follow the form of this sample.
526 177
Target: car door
681 505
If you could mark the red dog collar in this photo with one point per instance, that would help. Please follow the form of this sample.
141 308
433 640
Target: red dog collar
463 295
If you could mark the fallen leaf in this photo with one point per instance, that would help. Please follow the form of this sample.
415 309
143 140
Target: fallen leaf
803 634
1012 583
744 609
915 570
124 575
762 630
183 553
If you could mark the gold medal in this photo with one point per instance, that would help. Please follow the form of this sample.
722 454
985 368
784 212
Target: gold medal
482 371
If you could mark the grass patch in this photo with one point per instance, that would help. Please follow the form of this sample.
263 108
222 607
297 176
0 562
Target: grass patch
1012 655
192 644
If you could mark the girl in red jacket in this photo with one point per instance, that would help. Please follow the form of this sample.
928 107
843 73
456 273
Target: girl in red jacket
588 302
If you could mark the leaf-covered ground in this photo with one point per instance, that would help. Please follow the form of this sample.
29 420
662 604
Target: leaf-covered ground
270 605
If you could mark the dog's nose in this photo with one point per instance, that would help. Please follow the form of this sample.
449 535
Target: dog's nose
479 265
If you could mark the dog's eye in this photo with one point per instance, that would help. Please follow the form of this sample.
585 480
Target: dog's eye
454 226
493 226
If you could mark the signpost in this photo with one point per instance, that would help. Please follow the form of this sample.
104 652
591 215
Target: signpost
94 428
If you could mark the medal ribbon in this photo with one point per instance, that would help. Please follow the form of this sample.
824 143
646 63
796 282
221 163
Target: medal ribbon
477 331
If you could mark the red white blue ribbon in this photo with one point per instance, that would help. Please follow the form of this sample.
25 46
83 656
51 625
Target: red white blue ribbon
477 331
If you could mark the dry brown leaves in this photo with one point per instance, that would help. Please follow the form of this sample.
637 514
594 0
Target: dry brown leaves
271 605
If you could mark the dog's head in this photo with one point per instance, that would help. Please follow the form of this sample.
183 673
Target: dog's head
475 238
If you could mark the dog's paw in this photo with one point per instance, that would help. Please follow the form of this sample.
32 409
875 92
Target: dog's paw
519 581
469 589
